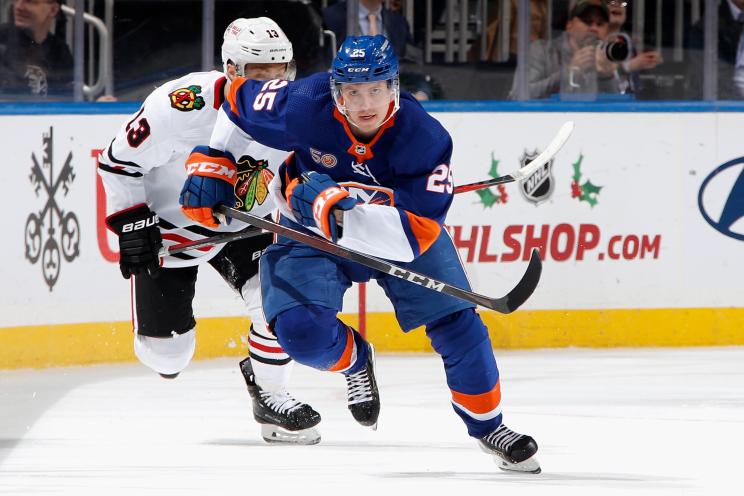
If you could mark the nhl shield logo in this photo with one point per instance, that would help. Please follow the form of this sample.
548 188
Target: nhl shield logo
537 187
315 155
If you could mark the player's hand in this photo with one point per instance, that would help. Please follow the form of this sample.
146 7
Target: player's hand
211 182
313 203
139 240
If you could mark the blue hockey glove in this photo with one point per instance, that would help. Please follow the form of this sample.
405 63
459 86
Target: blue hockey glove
314 200
211 182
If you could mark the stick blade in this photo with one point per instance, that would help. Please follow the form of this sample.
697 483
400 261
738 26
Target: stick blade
524 288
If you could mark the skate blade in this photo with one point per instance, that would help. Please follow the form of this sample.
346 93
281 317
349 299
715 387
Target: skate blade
276 435
529 466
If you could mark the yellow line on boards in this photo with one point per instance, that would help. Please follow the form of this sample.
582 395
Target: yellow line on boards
90 343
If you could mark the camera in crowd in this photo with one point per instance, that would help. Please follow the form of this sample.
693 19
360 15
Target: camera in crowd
617 48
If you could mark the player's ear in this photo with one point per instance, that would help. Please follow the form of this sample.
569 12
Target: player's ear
231 72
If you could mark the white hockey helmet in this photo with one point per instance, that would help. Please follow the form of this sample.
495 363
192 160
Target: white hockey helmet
257 40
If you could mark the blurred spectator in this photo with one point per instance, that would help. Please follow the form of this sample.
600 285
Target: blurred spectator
538 29
33 61
630 69
730 53
374 19
572 64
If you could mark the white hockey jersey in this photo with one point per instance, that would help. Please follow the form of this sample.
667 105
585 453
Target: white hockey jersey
145 161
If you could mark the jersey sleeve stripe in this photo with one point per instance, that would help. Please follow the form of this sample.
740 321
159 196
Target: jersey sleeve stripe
117 170
112 159
232 95
421 231
177 238
182 256
219 92
201 231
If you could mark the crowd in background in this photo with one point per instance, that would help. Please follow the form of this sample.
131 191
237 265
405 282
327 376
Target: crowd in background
579 49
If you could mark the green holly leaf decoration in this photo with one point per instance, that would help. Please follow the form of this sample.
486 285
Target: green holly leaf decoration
487 197
494 167
589 193
577 168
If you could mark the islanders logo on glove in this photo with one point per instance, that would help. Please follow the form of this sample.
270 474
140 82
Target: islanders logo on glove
313 201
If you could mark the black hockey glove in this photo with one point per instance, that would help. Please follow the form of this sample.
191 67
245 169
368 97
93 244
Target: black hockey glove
139 240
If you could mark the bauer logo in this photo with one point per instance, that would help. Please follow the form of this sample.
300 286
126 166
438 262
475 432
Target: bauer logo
537 187
721 199
52 234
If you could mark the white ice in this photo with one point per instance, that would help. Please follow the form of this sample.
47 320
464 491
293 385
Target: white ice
608 422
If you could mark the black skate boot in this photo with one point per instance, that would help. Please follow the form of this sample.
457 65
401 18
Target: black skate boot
361 390
283 419
513 452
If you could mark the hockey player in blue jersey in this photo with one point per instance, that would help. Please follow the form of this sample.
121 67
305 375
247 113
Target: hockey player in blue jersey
371 171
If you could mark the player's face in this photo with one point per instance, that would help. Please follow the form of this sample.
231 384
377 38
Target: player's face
265 72
367 104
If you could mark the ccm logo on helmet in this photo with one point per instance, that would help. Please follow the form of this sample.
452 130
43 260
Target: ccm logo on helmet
211 169
140 224
357 69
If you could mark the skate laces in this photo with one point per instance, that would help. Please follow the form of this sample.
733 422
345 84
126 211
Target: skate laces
358 387
280 401
502 438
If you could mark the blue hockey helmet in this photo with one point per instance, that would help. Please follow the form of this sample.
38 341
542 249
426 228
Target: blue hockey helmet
362 59
365 59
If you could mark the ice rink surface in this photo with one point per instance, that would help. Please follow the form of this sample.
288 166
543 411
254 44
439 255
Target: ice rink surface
608 422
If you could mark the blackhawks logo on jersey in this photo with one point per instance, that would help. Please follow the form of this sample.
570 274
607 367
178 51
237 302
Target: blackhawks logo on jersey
187 99
253 182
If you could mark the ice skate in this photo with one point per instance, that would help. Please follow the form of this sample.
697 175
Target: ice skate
283 419
363 397
512 452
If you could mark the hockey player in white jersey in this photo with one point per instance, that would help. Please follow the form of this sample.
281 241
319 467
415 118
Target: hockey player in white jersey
143 171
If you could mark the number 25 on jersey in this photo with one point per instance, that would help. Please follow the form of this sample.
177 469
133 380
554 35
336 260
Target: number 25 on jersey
265 98
440 180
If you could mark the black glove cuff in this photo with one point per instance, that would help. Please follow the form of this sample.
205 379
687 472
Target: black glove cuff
132 219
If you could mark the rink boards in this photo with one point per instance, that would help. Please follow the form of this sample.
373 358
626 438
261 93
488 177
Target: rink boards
639 221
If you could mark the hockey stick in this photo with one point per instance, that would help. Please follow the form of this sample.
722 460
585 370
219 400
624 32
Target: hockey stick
543 158
504 304
248 232
546 156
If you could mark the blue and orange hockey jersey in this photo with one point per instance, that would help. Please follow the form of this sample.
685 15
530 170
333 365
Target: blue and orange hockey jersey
402 177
